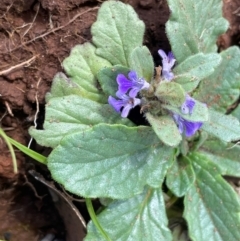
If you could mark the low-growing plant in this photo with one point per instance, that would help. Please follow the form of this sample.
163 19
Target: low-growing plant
165 160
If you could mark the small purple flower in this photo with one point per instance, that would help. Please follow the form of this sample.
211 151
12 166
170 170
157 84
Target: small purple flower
188 105
167 63
189 128
126 102
134 84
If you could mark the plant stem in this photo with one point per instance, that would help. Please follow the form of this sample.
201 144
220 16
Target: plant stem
6 139
94 218
36 156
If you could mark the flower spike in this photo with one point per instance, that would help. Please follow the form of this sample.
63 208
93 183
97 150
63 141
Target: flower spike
167 63
125 102
133 84
188 105
189 128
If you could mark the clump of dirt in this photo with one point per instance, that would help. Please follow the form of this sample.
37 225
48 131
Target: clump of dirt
36 35
24 214
231 11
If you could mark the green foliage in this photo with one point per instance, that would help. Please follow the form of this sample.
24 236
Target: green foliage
10 148
104 151
142 62
63 86
98 154
124 32
165 128
195 68
224 127
224 155
211 205
107 78
221 89
70 114
194 27
171 93
200 112
236 112
141 217
180 177
82 66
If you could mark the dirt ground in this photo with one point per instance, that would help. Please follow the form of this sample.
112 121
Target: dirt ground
35 37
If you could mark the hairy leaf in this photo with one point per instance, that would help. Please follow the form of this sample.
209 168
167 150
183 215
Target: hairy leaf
180 177
221 89
165 128
195 68
236 112
124 32
118 161
141 218
224 155
82 66
141 61
171 93
66 115
211 205
200 112
107 78
224 127
63 86
194 26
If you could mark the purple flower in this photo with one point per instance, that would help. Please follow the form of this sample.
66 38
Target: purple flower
126 102
134 84
189 128
167 64
188 105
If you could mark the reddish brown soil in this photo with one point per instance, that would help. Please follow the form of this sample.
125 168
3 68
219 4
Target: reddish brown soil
35 37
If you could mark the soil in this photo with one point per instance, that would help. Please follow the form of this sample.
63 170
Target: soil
36 35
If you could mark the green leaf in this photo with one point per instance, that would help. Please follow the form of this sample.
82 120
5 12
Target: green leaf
107 78
195 68
224 155
211 205
194 26
63 86
142 217
118 161
171 93
141 61
236 112
117 32
66 115
82 66
180 177
200 112
165 128
221 89
224 127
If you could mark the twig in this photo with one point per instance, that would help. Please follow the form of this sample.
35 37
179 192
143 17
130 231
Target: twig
54 29
8 109
31 24
33 188
7 71
8 8
5 113
37 111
